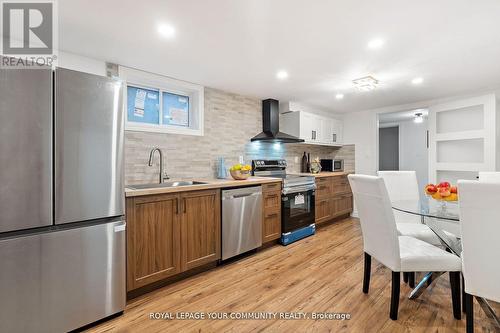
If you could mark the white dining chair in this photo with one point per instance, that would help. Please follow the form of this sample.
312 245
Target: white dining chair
398 253
403 185
480 227
489 176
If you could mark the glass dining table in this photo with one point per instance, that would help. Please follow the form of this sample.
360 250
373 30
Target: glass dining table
443 218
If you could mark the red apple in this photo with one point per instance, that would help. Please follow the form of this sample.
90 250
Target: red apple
444 192
454 189
430 189
444 184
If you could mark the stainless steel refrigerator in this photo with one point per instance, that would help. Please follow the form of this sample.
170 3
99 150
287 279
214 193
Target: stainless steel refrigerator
62 227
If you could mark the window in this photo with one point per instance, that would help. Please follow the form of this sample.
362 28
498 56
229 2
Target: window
143 105
175 109
160 104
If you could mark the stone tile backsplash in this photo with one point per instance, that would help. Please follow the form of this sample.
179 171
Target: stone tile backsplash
230 121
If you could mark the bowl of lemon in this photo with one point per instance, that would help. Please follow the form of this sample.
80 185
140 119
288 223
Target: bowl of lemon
240 171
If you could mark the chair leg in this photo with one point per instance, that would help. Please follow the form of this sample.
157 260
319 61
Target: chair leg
366 276
396 280
455 294
411 279
405 277
463 294
469 313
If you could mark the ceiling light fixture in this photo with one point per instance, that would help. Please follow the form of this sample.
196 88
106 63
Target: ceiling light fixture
366 83
339 96
376 44
418 118
417 80
282 75
166 30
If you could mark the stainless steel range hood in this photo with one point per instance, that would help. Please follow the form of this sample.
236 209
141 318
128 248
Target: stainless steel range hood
271 124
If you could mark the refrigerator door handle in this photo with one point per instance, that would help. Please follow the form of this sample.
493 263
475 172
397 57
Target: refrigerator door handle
120 227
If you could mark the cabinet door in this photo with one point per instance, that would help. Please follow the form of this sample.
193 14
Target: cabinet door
324 210
271 226
342 204
327 130
200 228
153 239
337 131
308 127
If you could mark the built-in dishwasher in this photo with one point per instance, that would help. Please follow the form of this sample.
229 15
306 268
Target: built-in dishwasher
241 220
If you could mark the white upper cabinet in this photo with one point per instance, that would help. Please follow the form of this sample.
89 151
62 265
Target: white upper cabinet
312 128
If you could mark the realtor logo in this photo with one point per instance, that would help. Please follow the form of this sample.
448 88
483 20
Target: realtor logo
28 33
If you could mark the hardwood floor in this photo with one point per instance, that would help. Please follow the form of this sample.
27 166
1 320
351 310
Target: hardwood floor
322 273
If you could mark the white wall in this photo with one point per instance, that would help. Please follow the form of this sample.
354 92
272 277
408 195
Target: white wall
81 63
360 129
413 152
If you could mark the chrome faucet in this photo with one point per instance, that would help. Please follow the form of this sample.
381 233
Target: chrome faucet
162 177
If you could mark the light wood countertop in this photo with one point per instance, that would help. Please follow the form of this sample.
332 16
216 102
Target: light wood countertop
322 174
209 184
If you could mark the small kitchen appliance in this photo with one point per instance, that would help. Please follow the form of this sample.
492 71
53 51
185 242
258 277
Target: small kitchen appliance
332 165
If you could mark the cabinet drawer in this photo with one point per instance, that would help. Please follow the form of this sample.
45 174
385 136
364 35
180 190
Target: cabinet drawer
324 187
271 187
341 185
271 200
342 204
271 226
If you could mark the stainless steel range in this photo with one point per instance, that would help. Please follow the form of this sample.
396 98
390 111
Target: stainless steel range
297 199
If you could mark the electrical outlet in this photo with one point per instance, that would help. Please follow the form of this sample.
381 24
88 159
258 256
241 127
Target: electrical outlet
296 159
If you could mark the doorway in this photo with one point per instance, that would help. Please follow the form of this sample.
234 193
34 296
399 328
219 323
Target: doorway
388 140
403 143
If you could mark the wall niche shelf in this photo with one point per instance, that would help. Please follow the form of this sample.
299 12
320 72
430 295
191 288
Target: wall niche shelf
462 138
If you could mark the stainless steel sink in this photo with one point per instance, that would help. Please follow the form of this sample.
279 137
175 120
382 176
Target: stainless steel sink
166 184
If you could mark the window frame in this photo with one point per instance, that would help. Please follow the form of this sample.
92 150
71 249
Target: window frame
145 80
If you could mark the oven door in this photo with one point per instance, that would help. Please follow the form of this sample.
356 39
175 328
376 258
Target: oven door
297 210
338 165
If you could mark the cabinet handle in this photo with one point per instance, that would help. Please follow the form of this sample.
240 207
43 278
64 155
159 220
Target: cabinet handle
176 206
271 215
184 204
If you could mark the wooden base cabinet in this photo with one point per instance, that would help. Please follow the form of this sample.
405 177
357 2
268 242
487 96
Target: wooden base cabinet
171 233
333 198
271 212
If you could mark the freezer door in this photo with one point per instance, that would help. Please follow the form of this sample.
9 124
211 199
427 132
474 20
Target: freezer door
62 280
88 147
25 148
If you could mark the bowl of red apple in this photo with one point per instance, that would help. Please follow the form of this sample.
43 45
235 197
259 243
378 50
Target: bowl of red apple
443 191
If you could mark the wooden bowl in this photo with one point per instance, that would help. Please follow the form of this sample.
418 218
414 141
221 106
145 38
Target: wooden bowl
239 174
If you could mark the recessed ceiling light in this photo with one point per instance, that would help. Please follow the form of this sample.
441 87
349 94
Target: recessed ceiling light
366 83
417 80
376 43
339 96
166 30
282 75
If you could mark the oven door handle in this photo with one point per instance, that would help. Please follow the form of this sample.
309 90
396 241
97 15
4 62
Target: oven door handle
299 189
